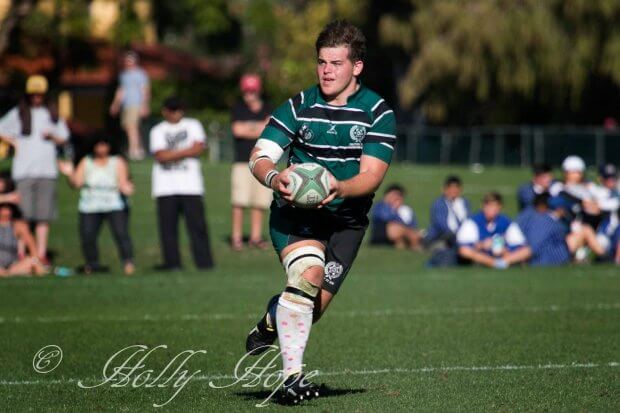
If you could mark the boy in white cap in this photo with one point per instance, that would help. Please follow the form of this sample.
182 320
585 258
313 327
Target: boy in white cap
579 211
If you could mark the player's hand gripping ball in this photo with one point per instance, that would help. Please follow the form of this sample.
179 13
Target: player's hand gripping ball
309 185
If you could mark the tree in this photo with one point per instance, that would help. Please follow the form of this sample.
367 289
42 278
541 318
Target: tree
280 36
504 55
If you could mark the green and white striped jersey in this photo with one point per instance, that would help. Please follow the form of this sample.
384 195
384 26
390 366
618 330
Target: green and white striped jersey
334 136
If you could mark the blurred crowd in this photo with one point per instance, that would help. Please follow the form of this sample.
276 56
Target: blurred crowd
35 137
560 221
570 219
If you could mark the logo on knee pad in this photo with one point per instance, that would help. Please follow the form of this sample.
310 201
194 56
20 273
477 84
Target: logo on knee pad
333 270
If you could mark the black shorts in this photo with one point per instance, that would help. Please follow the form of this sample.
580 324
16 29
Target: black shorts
342 237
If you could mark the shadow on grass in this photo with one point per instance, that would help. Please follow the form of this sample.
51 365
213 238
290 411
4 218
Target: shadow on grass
326 392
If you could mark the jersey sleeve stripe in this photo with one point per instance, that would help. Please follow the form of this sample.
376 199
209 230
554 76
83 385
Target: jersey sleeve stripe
380 109
378 139
382 115
276 123
383 135
387 144
377 105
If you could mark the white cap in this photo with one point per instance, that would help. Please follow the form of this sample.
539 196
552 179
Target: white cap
573 164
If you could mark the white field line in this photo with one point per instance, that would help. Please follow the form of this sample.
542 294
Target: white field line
369 372
343 314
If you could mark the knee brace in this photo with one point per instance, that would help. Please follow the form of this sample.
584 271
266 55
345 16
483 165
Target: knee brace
298 261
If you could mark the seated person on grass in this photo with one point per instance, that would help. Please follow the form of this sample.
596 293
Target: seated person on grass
608 237
491 238
13 231
544 233
447 214
542 178
394 223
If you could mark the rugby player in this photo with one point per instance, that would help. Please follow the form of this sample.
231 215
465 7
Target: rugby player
350 130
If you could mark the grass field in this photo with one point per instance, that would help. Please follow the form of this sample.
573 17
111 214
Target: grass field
398 337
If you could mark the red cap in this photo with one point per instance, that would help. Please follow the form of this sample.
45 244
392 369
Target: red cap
250 83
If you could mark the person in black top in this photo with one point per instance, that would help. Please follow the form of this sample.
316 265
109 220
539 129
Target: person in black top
249 117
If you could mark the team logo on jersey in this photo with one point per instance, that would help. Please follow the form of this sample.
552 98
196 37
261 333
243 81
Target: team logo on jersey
333 270
306 133
332 130
357 133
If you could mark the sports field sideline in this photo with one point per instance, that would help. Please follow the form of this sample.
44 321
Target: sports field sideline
399 336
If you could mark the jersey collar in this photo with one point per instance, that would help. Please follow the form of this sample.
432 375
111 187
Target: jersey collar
351 97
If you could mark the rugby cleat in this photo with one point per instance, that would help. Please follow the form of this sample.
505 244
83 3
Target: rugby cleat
296 389
264 333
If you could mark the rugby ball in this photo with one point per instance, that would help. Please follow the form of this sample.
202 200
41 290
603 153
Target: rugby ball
309 184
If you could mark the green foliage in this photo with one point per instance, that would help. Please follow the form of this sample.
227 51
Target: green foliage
289 30
504 48
193 25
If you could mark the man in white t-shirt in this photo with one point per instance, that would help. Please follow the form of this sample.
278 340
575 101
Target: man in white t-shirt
177 185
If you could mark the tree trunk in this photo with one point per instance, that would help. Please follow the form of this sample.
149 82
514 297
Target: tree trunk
18 10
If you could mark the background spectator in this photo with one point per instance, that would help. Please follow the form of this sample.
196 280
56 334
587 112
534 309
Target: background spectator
249 117
573 201
132 98
607 197
541 181
178 187
35 130
447 214
491 238
543 233
103 180
394 223
12 232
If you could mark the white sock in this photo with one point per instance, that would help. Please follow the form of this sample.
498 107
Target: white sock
294 318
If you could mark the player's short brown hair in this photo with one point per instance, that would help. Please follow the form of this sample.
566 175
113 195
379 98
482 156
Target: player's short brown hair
342 33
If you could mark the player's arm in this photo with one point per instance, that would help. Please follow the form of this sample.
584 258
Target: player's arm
367 181
275 138
263 160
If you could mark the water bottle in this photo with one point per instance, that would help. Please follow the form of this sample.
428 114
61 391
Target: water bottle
497 245
63 271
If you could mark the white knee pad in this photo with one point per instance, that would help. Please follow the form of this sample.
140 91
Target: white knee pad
298 261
